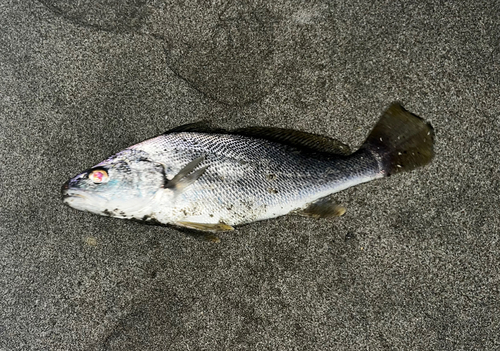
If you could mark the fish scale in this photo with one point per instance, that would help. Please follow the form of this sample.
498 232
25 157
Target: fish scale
300 178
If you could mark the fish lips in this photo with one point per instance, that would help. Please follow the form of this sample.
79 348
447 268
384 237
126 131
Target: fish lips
64 190
67 194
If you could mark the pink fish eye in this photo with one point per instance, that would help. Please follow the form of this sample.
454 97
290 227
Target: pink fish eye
99 176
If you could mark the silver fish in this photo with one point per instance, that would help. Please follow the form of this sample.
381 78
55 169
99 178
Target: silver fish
212 180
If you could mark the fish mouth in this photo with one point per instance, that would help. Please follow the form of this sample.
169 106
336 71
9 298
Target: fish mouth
65 192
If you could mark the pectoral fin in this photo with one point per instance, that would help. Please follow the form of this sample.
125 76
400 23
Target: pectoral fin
322 208
184 178
207 227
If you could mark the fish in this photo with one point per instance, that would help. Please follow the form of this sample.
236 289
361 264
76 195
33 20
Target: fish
209 179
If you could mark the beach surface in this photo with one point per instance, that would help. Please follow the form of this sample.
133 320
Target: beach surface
414 264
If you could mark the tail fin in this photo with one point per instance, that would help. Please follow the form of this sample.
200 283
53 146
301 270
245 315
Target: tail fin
401 140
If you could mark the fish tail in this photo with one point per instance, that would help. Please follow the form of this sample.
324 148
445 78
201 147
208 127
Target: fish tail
401 141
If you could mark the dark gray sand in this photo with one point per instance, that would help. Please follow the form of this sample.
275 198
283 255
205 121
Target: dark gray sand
413 264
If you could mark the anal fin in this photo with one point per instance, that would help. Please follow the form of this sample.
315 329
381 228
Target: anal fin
322 208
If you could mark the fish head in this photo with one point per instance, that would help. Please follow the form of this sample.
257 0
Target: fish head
125 186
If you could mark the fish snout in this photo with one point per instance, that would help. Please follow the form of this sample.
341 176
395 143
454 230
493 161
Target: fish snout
64 190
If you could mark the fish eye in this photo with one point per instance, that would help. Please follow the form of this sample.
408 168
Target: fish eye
99 176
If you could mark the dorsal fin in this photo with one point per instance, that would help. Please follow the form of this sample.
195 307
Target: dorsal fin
301 140
197 127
